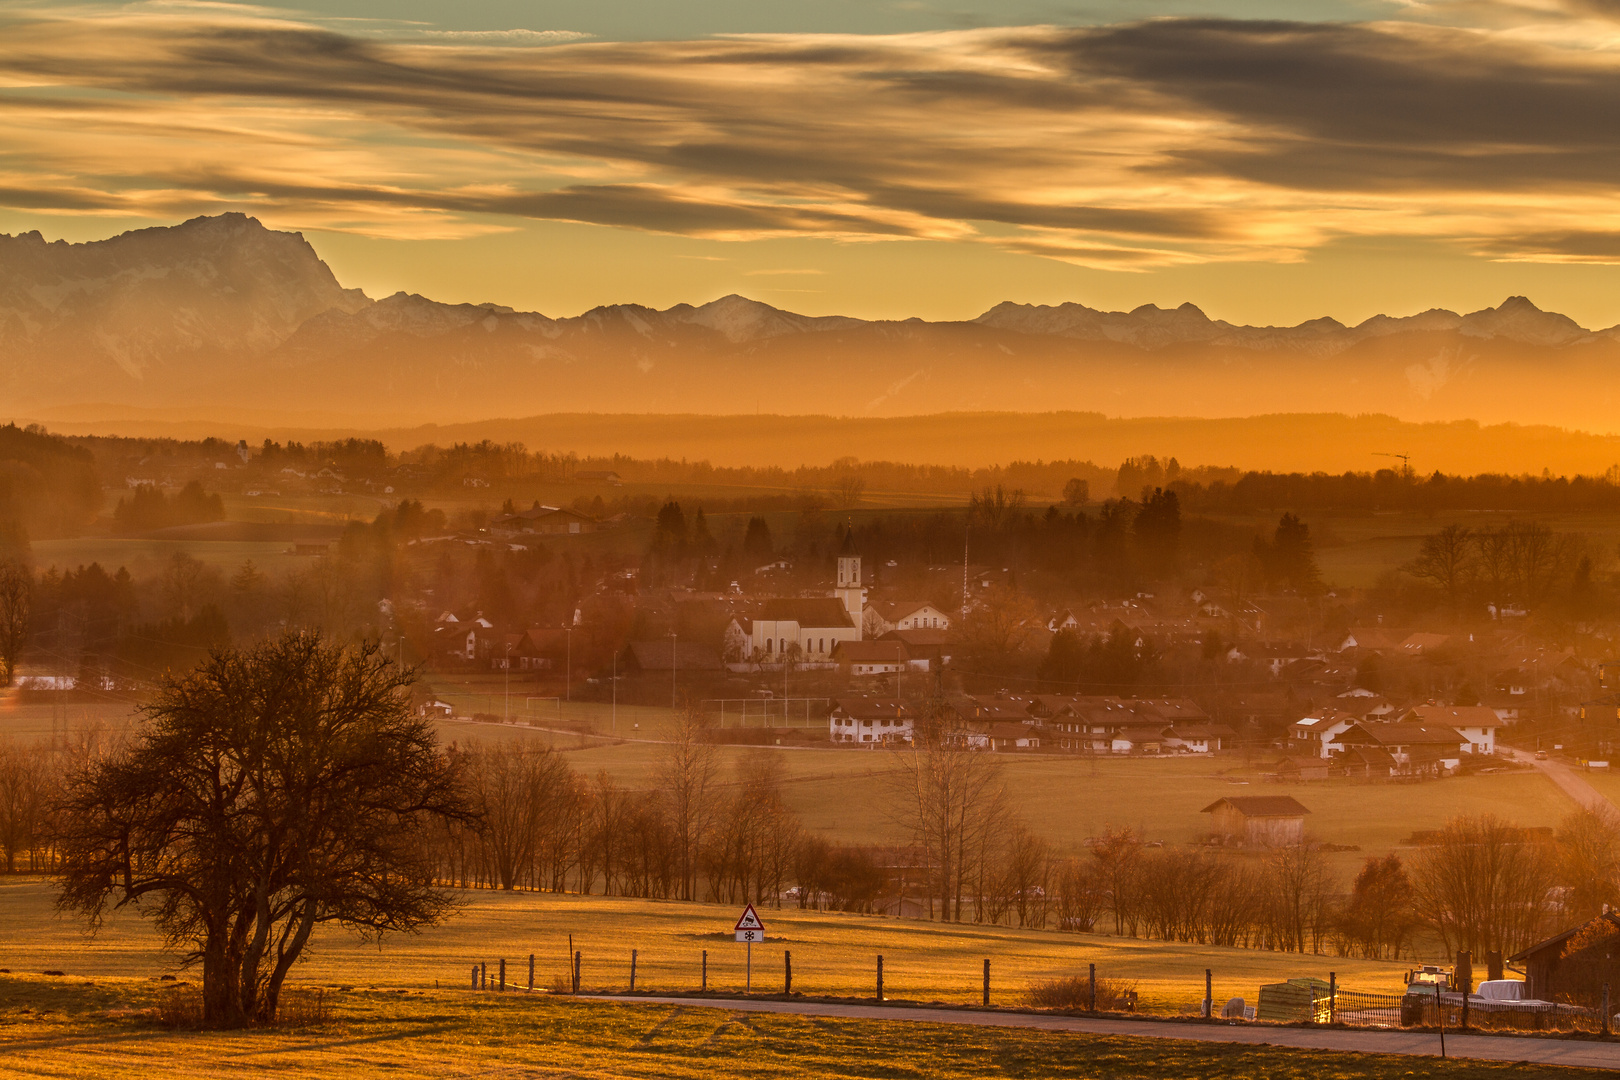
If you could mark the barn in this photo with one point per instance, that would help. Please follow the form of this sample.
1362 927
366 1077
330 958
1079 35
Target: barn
1261 820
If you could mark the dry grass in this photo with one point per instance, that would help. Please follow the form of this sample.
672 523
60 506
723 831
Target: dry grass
58 1029
833 954
1075 992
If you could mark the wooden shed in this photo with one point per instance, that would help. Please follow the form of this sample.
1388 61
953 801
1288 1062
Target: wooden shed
1263 820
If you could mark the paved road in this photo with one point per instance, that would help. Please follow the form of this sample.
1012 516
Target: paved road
1569 781
1572 1052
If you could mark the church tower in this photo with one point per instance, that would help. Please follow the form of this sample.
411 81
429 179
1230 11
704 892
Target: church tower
849 588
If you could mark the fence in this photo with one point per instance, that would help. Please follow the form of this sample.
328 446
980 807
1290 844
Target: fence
1087 990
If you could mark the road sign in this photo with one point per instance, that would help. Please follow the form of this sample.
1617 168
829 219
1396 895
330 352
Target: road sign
749 929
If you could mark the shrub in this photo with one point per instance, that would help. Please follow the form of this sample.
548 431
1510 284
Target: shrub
1074 992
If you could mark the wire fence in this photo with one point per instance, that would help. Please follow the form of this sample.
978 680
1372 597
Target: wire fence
1423 1006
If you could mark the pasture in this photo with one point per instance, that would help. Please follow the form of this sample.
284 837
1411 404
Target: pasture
833 953
60 1028
844 794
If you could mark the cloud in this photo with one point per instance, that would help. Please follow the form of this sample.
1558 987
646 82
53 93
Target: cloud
1130 146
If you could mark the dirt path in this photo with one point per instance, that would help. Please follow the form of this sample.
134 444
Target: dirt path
1569 781
1572 1052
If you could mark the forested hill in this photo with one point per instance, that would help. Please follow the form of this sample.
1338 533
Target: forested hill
48 486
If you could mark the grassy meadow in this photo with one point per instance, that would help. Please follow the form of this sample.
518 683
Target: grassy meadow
72 1027
833 953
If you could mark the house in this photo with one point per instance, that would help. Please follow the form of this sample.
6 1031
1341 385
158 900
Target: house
598 476
867 658
438 710
1319 731
1260 820
1195 738
542 520
809 628
1477 724
1063 620
883 616
1413 746
873 721
1373 639
1419 643
544 648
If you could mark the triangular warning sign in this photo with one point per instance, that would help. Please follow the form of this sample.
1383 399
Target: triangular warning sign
749 920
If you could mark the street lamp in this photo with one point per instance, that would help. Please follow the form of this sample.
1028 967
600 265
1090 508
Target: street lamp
508 669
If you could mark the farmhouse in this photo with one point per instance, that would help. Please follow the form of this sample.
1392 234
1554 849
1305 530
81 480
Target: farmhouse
872 721
884 616
1413 746
1477 724
1263 820
1319 732
1196 738
546 520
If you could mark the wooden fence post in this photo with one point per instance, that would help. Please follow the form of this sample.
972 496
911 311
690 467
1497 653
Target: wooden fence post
531 973
578 963
987 982
787 977
880 977
1093 998
475 977
705 984
483 976
1333 997
632 971
503 975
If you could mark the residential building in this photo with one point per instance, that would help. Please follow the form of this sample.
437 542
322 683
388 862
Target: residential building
872 721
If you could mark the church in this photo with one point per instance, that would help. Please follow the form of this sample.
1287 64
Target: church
807 629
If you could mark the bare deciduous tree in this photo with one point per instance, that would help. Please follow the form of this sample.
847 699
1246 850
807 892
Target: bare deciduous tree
951 799
688 780
272 791
1482 885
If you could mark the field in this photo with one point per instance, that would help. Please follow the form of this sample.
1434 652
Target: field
77 1028
833 953
842 793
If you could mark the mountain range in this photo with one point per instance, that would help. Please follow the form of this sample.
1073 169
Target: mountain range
221 315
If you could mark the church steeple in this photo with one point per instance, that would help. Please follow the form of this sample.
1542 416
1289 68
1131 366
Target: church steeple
849 588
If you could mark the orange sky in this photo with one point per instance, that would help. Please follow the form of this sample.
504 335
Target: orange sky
1426 154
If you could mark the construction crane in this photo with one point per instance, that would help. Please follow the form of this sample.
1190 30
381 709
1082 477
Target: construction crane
1406 461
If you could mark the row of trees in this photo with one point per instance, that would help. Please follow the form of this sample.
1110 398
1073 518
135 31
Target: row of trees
1521 561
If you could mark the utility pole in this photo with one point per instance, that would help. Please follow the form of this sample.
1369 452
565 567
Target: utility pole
508 668
568 672
615 713
674 666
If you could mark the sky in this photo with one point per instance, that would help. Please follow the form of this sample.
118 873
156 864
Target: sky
1269 162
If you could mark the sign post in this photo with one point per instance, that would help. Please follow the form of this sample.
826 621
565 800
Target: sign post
749 930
